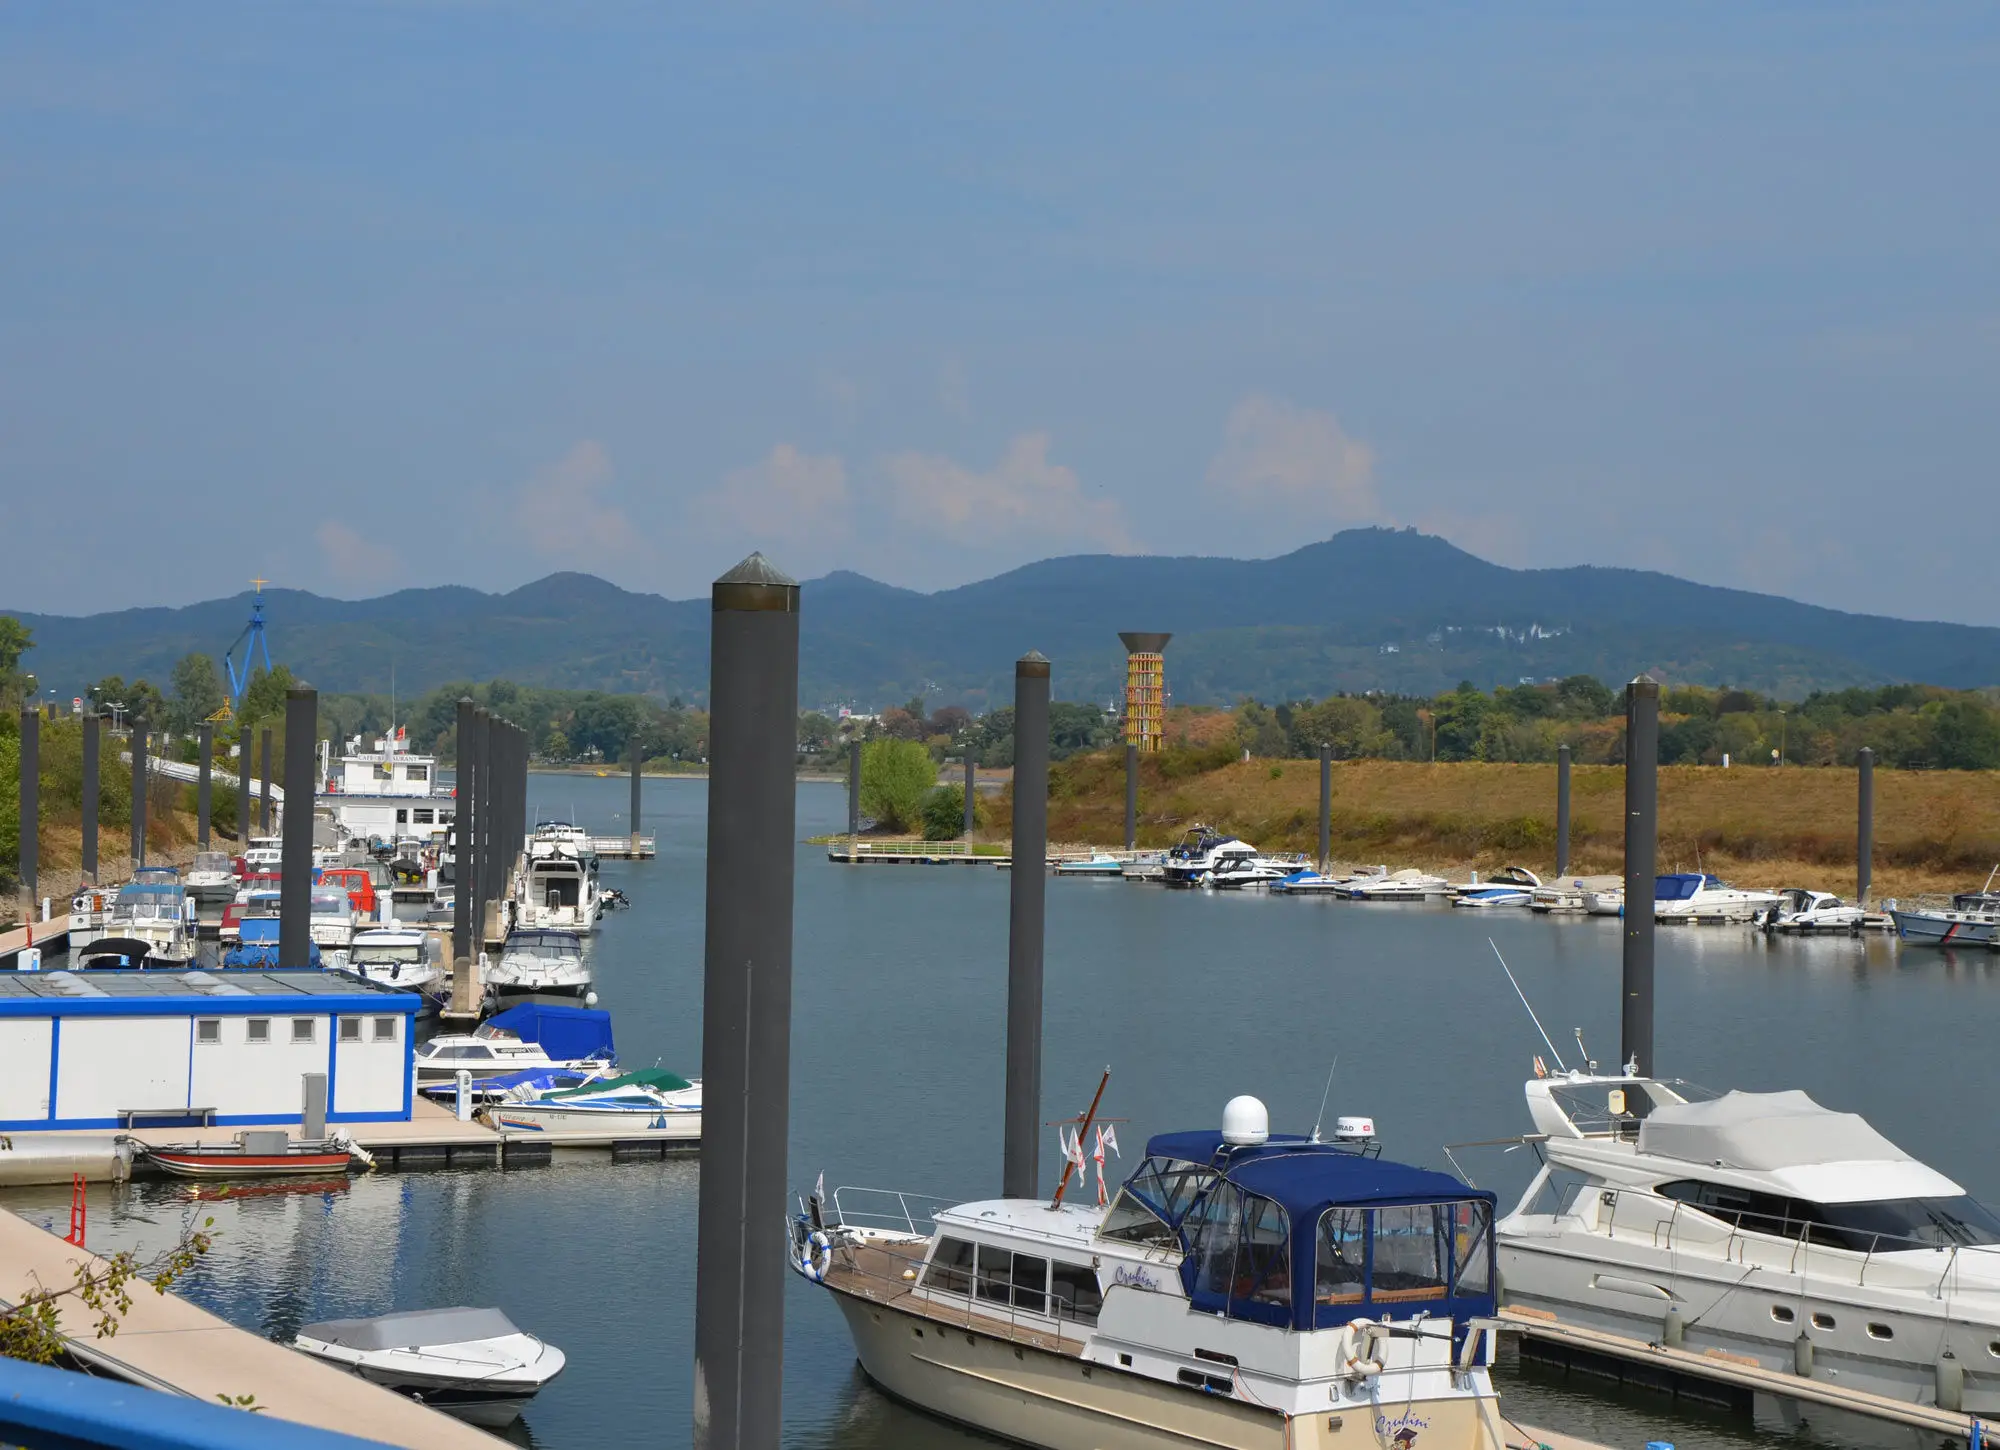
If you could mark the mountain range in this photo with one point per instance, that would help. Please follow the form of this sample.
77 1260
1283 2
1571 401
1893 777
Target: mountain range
1366 609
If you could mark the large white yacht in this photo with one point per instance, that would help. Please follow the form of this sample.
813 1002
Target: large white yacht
559 883
1201 850
403 957
541 966
1759 1224
1694 898
1242 1289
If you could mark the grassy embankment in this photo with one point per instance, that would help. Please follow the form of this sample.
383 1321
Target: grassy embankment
1934 830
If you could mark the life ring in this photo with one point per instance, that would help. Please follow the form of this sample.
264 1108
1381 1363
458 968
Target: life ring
817 1258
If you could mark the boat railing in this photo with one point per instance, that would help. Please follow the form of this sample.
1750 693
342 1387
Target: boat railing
887 1210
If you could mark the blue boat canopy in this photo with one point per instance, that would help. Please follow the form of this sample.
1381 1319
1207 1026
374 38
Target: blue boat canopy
146 890
1309 1235
1681 886
567 1034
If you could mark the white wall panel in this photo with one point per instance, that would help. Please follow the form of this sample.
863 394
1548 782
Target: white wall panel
112 1063
370 1075
24 1067
241 1078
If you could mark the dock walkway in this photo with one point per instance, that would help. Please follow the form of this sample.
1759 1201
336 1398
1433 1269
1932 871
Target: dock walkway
166 1343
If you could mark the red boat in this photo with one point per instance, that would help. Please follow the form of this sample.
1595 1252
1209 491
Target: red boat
256 1155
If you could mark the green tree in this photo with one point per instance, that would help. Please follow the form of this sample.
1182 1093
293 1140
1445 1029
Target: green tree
16 639
895 774
1966 736
265 697
1352 727
197 693
944 812
555 745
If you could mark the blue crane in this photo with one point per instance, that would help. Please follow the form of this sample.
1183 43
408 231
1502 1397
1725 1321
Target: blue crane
252 639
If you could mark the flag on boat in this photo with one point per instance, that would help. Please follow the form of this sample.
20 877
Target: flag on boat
1107 1137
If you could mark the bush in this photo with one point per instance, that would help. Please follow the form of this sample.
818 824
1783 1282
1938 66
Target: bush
944 813
894 776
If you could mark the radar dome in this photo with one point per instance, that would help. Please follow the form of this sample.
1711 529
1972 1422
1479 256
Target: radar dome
1245 1122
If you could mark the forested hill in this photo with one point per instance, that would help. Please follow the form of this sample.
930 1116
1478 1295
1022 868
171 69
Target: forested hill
1366 609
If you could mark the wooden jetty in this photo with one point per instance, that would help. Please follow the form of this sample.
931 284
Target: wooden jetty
1712 1376
166 1343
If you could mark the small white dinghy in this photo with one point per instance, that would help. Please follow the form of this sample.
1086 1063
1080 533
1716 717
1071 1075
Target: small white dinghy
472 1363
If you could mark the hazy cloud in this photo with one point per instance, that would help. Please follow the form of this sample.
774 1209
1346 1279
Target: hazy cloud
1278 452
562 514
358 565
1023 491
788 496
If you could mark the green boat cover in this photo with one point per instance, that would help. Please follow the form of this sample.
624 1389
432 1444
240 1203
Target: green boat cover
652 1077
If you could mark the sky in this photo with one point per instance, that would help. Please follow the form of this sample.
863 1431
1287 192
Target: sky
357 297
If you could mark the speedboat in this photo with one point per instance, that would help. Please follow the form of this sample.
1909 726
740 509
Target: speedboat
157 913
1798 910
559 884
1407 885
1242 1288
1102 865
1199 852
538 1079
211 880
1236 873
472 1363
1695 898
1756 1224
542 966
1307 882
540 1035
1971 917
1509 886
649 1104
399 957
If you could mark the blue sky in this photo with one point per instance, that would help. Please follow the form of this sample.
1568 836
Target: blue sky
359 296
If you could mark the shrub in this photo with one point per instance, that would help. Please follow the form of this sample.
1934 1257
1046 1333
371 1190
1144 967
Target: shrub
944 812
895 774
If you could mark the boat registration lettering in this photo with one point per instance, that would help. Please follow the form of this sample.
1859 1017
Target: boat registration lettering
1401 1431
1137 1278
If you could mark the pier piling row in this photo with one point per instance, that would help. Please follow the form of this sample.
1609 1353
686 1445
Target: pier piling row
1642 839
242 791
1027 900
746 1039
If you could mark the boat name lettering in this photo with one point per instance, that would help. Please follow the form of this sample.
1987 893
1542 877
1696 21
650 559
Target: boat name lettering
1137 1278
1402 1431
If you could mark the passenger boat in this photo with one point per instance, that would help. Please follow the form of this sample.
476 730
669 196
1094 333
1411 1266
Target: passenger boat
1242 1289
537 1035
1199 852
1803 912
648 1104
542 966
256 1153
211 880
1970 917
399 957
1757 1224
472 1363
1509 886
1695 898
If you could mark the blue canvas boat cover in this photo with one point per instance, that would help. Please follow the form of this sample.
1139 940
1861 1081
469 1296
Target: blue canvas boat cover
565 1033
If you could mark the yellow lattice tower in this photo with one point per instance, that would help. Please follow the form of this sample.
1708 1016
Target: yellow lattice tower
1145 690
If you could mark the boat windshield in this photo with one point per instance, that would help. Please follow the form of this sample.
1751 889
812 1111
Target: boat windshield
383 954
1154 1200
331 903
213 861
542 946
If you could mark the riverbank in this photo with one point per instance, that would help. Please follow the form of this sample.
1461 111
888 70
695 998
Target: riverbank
1934 830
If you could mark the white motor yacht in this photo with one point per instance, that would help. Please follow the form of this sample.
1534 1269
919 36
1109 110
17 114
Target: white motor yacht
211 880
1695 898
1407 885
1199 852
157 913
472 1363
1803 912
1573 895
332 925
399 957
1607 899
542 966
1509 886
1757 1224
651 1103
1242 1289
1237 873
534 1036
559 886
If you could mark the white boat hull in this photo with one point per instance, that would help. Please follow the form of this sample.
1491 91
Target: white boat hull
679 1126
1936 928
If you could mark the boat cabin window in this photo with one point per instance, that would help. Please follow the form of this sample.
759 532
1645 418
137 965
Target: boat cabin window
1341 1276
1403 1253
1412 1253
950 1267
1020 1280
1129 1221
416 772
1880 1226
1074 1290
423 816
1241 1246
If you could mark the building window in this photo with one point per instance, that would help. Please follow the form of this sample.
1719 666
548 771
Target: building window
402 818
208 1029
385 772
257 1029
385 1029
350 1029
416 772
302 1029
422 817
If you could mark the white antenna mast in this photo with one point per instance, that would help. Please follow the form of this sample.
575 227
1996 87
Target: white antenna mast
1524 1002
1324 1096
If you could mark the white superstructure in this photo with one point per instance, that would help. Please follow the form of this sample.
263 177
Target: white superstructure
386 792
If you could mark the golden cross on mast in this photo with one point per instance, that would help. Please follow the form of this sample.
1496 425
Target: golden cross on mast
260 583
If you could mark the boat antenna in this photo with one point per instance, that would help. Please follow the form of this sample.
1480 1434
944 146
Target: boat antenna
1525 1003
1989 880
1324 1096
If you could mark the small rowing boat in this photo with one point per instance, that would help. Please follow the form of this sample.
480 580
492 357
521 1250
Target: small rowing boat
262 1153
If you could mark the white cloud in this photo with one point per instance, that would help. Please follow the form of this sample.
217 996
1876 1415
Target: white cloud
1277 452
358 564
562 515
788 497
1024 491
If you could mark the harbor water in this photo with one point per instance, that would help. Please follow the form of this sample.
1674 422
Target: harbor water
1189 997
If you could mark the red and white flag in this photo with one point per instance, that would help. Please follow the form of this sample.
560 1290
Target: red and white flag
1107 1137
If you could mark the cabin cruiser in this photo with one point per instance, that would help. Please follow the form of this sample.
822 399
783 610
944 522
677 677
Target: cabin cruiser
1242 1288
1798 910
89 910
332 924
559 886
1199 852
157 913
652 1103
534 1035
211 880
266 854
472 1363
1694 898
1757 1224
540 965
1407 885
1509 886
399 957
1236 873
1972 917
249 906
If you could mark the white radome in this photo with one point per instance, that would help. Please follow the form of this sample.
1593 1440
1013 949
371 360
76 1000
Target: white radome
1245 1122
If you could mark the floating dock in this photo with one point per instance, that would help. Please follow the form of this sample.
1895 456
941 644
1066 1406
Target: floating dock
1712 1377
624 848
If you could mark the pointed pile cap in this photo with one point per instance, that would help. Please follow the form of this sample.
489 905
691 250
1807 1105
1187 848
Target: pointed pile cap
757 584
1034 664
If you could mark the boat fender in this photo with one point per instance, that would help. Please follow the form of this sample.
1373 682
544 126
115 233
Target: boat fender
1802 1356
1950 1376
817 1259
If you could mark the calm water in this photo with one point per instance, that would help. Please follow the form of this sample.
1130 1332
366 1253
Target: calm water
900 983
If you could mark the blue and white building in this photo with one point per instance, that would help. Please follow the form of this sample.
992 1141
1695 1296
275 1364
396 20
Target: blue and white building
106 1049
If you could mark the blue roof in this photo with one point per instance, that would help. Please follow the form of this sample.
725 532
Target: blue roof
1306 1176
567 1034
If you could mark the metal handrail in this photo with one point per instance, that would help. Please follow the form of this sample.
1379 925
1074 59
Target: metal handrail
843 1217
